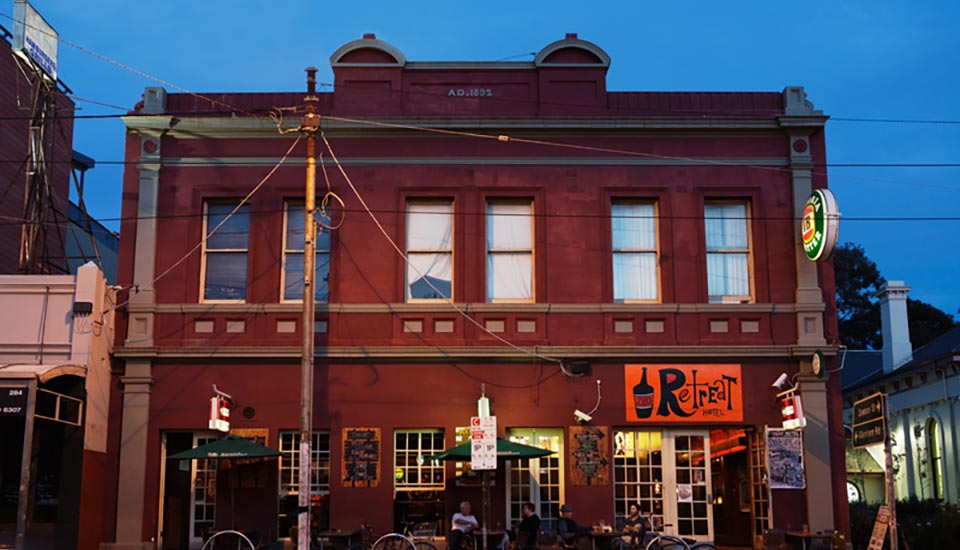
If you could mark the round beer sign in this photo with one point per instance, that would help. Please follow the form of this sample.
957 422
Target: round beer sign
819 224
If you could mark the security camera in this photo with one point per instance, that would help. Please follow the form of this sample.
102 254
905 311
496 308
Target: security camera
581 416
780 382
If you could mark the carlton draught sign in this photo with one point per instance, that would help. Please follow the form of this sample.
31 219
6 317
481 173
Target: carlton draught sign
684 393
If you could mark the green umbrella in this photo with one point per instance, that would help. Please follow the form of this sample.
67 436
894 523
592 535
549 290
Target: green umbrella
228 447
506 450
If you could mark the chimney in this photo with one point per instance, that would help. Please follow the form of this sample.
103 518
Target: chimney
895 328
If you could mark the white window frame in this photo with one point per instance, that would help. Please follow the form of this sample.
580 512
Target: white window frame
318 252
205 250
531 251
414 454
289 447
725 298
417 251
655 250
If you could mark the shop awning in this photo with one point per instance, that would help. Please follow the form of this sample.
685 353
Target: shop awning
228 447
506 450
43 373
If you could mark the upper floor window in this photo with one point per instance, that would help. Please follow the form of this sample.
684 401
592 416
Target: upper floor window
634 233
510 251
293 243
728 251
429 250
224 261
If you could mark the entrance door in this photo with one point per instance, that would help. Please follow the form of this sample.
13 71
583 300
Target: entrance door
537 480
668 474
189 492
204 484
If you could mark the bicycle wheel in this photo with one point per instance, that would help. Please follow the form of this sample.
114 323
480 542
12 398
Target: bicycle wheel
667 542
393 541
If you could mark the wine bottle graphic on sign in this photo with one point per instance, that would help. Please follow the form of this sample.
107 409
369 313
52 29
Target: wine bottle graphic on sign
643 397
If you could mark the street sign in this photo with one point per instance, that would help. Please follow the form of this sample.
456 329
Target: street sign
868 408
869 426
13 401
483 443
880 528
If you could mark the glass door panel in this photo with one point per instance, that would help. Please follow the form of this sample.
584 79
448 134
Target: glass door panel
537 480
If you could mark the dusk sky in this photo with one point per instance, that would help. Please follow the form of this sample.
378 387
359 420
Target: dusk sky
895 61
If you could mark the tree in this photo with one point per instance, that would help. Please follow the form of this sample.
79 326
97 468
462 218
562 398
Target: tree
858 280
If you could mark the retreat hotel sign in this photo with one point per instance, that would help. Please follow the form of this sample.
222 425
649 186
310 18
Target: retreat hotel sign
683 393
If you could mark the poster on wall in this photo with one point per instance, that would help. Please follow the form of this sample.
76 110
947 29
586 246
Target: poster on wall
683 393
361 457
589 448
785 459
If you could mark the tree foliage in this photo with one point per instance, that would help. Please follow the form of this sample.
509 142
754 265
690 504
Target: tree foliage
858 280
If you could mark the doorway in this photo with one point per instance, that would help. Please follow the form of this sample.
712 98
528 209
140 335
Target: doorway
536 480
668 474
188 499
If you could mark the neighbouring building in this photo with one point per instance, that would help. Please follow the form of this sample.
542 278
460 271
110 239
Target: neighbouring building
35 151
649 240
923 391
56 339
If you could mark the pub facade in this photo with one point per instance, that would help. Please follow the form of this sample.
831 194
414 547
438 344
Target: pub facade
505 229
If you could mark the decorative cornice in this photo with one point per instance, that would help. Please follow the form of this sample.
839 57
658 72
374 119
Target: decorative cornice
481 160
475 353
187 127
481 308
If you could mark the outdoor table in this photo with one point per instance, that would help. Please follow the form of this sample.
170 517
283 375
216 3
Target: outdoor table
602 540
338 539
808 540
494 539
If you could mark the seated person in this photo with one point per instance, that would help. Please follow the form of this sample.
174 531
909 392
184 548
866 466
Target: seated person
529 528
463 524
567 528
634 527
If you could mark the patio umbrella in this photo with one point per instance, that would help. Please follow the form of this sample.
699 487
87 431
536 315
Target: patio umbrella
506 450
228 447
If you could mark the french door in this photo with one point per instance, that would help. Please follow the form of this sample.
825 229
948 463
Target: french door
668 474
204 485
536 480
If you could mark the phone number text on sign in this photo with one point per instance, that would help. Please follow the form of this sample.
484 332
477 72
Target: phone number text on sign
13 401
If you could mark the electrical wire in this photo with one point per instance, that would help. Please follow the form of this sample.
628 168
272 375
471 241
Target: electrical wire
217 227
127 68
423 277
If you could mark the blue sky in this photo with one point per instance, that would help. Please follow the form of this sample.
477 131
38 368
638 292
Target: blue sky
856 59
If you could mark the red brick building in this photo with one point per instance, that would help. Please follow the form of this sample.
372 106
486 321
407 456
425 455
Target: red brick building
644 238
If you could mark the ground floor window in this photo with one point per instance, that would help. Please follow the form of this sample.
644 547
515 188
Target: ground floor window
418 483
638 472
537 480
289 480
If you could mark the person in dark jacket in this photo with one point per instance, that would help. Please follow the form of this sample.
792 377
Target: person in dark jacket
567 528
529 528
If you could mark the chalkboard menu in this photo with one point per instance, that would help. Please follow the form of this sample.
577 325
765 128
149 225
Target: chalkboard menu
589 449
361 457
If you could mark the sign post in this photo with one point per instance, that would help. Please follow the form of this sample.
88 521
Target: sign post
871 417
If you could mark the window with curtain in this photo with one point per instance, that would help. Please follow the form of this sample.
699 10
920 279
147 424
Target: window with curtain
293 243
225 252
429 250
634 233
728 251
935 450
509 250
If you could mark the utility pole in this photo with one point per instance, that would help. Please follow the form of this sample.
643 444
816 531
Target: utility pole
891 491
309 125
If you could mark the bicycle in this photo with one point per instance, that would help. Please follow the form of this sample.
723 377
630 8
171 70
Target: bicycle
665 541
415 536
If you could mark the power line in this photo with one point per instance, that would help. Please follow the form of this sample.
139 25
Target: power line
204 239
11 220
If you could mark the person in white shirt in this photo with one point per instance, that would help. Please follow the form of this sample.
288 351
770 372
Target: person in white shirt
463 524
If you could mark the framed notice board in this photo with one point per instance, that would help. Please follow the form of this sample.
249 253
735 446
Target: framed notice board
589 448
361 457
